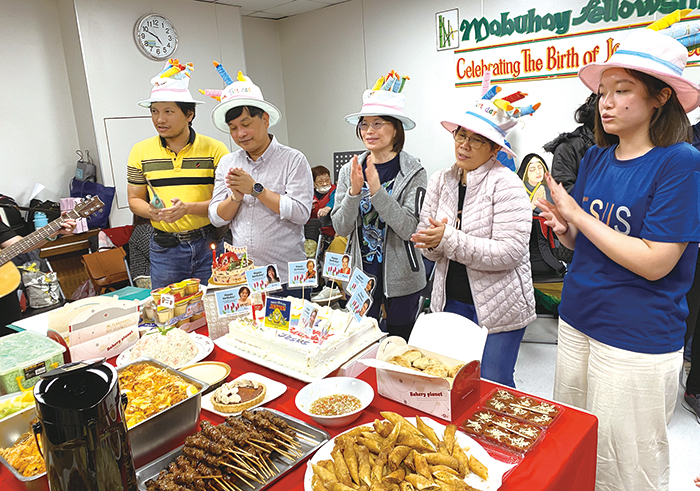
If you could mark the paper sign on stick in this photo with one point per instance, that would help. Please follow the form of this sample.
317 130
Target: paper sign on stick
359 304
302 274
360 279
233 301
263 279
337 266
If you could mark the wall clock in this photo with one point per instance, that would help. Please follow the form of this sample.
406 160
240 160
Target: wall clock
155 36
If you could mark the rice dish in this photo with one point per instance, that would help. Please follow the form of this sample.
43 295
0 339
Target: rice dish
174 347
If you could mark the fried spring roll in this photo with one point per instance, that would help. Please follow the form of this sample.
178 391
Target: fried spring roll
325 475
371 445
351 460
341 468
364 466
427 431
478 468
395 418
397 456
383 428
442 459
449 437
396 476
422 466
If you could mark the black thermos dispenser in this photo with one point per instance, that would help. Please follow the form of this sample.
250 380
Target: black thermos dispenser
82 427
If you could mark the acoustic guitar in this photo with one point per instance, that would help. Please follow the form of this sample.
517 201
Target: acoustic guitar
9 274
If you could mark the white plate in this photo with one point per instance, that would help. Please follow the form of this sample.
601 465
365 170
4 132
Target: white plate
204 347
274 390
223 343
496 468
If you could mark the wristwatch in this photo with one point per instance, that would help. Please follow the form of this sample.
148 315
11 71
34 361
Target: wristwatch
257 189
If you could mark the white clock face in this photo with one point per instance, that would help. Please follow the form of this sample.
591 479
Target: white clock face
155 36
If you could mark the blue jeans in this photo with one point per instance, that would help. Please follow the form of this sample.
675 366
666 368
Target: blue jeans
501 350
190 259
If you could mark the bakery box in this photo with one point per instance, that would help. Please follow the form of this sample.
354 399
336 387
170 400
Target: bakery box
447 337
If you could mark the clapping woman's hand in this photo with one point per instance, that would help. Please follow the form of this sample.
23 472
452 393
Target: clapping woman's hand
557 215
357 179
430 237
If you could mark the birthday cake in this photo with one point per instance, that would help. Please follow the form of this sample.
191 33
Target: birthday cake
230 267
334 339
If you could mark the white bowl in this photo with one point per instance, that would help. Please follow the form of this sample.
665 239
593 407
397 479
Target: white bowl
335 385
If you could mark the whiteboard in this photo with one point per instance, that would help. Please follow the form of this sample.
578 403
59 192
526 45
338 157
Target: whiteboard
122 134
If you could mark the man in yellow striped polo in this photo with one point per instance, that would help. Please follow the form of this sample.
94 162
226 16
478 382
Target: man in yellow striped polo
179 165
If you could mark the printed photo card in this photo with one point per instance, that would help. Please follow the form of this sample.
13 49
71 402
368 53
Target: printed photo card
359 304
302 274
307 320
263 279
233 301
360 279
337 266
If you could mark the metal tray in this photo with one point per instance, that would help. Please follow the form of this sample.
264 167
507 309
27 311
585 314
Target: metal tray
11 428
150 437
151 470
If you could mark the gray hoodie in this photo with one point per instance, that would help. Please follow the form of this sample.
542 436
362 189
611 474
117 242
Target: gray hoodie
403 266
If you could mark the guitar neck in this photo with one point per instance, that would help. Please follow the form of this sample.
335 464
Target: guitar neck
32 240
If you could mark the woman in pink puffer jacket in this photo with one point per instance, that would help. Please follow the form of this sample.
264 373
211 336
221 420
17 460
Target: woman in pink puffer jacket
475 224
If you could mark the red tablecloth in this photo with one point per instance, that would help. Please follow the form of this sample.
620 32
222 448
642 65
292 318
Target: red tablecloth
564 459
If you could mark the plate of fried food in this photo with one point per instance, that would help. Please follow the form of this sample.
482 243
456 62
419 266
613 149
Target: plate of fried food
418 451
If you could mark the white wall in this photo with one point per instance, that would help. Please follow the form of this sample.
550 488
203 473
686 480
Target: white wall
38 128
118 75
330 56
263 59
324 76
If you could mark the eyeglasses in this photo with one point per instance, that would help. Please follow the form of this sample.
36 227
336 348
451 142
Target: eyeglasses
474 142
323 182
376 125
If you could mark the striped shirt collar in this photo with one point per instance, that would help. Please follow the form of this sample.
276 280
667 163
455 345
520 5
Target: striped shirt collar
190 141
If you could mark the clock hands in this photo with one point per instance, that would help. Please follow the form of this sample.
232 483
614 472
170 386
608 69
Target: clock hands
154 35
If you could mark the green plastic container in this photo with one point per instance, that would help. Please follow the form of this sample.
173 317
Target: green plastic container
23 357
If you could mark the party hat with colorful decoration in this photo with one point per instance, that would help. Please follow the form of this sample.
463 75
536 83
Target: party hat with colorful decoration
385 99
660 50
492 118
239 92
172 84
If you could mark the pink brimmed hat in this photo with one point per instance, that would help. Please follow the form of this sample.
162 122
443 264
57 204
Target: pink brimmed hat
172 84
653 53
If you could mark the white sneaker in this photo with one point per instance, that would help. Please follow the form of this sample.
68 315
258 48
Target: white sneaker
684 373
325 294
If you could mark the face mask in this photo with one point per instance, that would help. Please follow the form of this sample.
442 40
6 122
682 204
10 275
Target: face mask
323 189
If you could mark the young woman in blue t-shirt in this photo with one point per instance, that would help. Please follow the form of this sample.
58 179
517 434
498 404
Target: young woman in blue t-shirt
633 222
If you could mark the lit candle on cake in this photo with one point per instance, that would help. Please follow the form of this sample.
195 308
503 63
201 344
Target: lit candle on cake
213 255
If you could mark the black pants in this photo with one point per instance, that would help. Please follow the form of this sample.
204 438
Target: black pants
693 298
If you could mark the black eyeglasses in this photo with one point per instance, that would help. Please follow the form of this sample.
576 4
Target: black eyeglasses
473 141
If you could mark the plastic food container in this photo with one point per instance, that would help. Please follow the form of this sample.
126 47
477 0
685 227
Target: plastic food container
524 407
23 357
